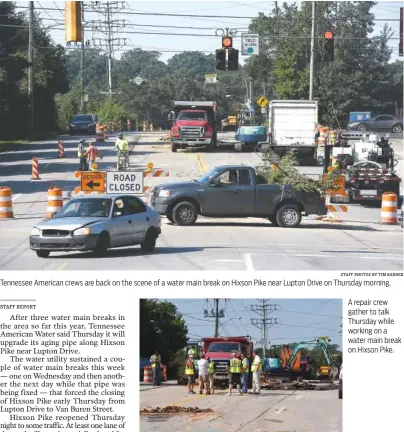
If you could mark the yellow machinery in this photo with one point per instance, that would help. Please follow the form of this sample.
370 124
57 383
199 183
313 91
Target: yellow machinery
229 123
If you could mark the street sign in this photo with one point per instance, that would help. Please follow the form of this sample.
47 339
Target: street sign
125 182
262 101
85 98
211 78
250 44
138 80
92 181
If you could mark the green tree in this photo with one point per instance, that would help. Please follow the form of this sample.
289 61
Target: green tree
162 328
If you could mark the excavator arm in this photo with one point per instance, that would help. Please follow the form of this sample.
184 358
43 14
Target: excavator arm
319 343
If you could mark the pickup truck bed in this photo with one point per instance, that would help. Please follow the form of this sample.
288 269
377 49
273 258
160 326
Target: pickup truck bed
233 192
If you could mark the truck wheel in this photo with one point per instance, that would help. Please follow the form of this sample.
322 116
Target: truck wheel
273 220
42 254
174 148
102 244
397 129
362 128
185 213
170 218
289 216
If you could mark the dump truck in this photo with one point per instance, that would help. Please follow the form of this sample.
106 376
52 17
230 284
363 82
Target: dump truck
194 125
220 350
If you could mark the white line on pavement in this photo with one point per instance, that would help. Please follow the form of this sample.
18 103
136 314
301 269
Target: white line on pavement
399 257
15 197
229 260
248 262
299 397
280 410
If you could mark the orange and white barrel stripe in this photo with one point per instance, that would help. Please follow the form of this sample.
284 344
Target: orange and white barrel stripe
35 169
55 201
99 134
61 149
151 127
389 209
144 126
6 203
147 374
337 208
128 124
322 139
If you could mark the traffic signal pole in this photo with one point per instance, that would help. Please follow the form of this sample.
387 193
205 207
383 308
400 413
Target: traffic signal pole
313 25
31 66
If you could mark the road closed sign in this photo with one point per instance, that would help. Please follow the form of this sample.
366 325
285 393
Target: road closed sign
124 182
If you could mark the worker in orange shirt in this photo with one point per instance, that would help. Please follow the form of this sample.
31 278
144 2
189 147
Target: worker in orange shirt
92 153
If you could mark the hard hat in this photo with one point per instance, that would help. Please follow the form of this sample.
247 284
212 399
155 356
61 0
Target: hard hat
233 354
120 135
94 166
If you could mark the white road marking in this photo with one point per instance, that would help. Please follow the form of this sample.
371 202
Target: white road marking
280 410
299 397
15 197
229 260
248 262
399 257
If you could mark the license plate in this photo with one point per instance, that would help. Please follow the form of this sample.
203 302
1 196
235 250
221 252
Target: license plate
368 192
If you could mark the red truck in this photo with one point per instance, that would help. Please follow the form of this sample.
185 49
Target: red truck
220 350
194 125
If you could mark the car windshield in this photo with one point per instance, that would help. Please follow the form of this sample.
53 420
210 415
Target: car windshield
90 207
224 347
208 176
192 115
83 118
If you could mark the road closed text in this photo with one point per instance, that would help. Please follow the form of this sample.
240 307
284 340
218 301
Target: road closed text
124 183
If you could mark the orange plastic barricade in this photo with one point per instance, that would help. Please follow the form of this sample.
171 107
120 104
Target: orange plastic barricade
99 134
61 149
322 140
6 203
55 201
389 209
35 169
148 374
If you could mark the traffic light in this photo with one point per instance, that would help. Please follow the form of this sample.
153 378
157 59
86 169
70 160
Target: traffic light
329 46
227 42
400 47
232 61
221 59
73 21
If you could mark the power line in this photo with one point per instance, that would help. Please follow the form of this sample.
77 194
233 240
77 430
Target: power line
216 313
223 16
264 322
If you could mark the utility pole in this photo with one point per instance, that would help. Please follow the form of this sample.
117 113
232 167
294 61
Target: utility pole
108 26
82 59
31 81
264 322
313 25
216 313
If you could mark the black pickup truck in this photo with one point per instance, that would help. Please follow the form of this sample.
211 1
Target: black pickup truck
234 192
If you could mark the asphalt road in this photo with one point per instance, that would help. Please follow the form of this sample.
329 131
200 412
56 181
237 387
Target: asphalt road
358 242
272 411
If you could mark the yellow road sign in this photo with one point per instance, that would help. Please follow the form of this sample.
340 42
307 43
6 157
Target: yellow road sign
93 181
262 101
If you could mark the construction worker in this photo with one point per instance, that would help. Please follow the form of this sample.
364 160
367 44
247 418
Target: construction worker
121 144
245 367
256 369
211 373
192 351
190 373
81 153
203 367
234 367
155 361
92 153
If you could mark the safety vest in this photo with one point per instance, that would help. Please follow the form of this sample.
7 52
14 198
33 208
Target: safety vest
256 366
154 360
81 151
211 368
122 144
192 352
235 366
189 367
245 365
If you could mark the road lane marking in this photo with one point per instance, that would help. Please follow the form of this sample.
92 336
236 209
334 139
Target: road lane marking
280 410
62 267
248 262
15 197
299 397
202 163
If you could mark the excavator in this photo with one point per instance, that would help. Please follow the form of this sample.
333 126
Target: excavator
293 362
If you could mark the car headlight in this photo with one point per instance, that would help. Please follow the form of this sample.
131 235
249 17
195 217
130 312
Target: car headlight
164 193
82 232
36 232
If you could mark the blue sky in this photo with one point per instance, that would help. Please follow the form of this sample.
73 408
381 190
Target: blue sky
298 319
205 28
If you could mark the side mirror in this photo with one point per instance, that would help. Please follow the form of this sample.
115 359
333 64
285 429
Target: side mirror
216 182
171 116
116 214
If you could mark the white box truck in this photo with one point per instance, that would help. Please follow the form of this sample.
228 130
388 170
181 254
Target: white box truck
293 125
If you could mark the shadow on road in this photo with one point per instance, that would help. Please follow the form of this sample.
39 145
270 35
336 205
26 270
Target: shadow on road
135 251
